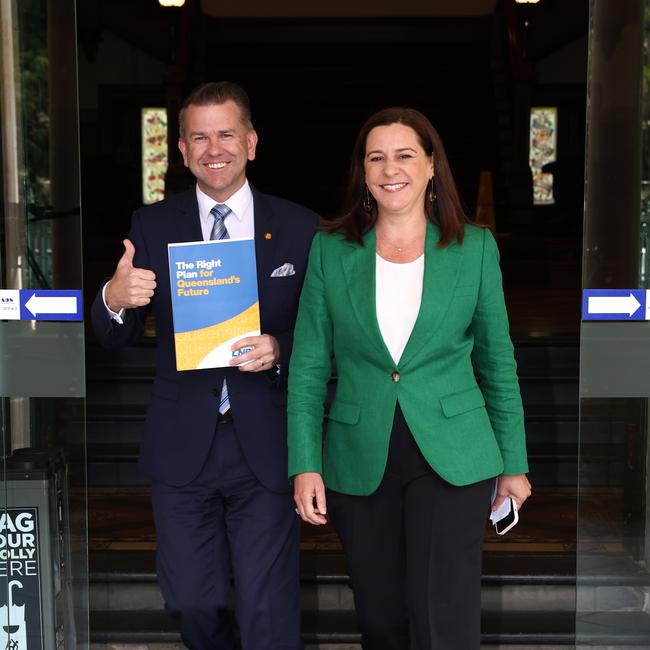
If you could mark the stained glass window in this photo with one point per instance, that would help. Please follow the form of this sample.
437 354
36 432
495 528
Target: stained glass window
543 149
154 154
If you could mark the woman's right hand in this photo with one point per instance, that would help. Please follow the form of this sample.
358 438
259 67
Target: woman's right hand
309 495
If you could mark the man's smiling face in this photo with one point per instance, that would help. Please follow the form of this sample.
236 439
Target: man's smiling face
216 146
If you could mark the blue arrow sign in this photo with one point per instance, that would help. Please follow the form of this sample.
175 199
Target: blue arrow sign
41 304
615 304
54 304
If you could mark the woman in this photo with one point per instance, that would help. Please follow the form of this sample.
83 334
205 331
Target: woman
406 295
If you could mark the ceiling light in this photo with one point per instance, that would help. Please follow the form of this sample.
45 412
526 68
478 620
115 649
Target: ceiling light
180 3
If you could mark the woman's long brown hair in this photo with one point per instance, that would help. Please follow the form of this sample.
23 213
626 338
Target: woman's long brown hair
445 211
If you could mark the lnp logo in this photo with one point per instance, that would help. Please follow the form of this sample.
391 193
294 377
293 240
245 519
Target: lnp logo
9 304
13 631
238 353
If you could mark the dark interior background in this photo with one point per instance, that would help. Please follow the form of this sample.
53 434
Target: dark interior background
312 83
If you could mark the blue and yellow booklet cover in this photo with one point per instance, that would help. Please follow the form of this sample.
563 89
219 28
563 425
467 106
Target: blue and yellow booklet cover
214 300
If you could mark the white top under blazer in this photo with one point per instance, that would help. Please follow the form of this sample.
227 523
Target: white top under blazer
398 297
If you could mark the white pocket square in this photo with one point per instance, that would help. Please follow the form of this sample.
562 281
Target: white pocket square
283 271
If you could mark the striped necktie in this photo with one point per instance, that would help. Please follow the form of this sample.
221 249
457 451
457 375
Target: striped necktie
219 231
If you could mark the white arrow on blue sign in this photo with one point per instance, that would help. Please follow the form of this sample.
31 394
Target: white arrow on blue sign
615 304
41 304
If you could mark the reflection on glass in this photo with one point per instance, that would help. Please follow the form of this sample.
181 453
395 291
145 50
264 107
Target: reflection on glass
543 144
612 563
613 549
644 261
43 531
34 85
154 154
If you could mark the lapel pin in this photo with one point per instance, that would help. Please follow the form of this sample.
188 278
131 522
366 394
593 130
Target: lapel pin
267 235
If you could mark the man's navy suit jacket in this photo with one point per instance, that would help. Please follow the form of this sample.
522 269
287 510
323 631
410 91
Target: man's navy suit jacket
181 418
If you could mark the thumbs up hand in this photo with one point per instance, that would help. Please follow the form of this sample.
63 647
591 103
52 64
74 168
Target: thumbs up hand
130 286
128 255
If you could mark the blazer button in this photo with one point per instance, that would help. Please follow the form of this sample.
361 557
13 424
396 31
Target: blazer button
395 376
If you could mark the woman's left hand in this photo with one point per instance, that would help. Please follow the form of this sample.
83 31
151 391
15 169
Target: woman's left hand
515 486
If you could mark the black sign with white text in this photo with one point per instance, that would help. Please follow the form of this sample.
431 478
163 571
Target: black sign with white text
20 597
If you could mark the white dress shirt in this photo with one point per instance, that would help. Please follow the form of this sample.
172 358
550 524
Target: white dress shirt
239 223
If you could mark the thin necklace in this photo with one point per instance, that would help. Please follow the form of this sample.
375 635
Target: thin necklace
403 246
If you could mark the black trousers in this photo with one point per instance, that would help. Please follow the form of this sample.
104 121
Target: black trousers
413 549
226 519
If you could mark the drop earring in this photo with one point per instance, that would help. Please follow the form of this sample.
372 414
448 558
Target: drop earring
432 192
367 202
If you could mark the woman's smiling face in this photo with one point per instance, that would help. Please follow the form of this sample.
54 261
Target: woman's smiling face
397 169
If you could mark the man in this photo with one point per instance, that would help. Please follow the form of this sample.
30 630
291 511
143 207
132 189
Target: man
214 441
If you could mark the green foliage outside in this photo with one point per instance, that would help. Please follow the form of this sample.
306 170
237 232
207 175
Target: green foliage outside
646 97
34 104
34 99
644 263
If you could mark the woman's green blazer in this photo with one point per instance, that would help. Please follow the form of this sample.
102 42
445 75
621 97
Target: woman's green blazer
456 381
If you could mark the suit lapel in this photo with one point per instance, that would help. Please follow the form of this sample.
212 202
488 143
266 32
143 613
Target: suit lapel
188 223
441 267
359 264
266 234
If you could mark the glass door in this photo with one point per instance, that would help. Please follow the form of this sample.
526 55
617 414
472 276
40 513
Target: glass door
43 529
613 551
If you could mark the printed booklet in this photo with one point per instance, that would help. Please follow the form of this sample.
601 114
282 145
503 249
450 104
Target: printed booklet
214 300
